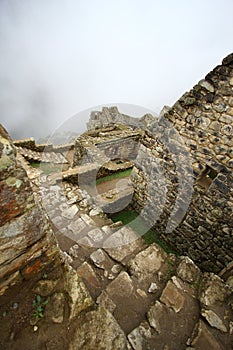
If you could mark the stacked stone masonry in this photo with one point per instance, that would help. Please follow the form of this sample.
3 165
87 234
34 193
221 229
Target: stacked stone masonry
203 118
121 293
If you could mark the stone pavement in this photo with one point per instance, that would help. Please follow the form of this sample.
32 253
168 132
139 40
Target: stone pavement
146 298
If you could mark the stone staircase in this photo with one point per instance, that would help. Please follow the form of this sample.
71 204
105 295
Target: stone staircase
46 157
157 300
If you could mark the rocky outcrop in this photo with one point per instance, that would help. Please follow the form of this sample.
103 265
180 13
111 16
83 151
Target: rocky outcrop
27 243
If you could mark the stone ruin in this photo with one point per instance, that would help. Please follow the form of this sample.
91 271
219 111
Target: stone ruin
121 293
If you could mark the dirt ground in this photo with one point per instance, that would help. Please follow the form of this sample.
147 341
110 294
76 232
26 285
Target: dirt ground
17 321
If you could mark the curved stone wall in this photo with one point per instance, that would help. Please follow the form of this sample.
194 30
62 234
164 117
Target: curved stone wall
203 118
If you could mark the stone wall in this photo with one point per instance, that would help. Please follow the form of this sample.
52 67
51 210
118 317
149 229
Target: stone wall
30 144
106 144
27 243
203 118
111 115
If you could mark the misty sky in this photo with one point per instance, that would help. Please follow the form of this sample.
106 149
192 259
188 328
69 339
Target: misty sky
60 57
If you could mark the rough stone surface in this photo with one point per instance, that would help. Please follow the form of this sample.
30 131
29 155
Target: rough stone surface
214 320
122 243
45 287
55 308
79 298
27 243
98 330
205 339
188 271
147 262
172 297
213 290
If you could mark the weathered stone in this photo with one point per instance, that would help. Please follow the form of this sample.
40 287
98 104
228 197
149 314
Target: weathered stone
214 320
102 260
229 282
105 301
148 262
156 316
45 287
122 243
86 272
77 226
205 339
69 212
204 83
213 290
79 298
122 282
187 270
98 328
96 211
96 235
55 308
138 337
74 251
172 297
153 288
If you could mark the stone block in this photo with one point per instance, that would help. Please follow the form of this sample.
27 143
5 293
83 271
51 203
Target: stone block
98 328
213 290
122 244
172 297
86 272
205 339
187 270
147 262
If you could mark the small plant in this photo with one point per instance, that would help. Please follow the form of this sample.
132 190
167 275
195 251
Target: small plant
45 275
170 269
39 307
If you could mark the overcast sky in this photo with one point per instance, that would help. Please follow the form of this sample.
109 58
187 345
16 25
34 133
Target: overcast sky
60 57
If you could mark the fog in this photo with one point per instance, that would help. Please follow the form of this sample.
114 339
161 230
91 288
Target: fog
61 57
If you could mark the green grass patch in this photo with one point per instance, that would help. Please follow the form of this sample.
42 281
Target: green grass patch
117 175
47 168
140 226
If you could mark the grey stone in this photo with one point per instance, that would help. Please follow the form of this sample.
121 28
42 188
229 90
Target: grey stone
187 270
77 226
79 297
204 83
173 297
105 301
214 320
96 235
74 251
88 221
147 262
213 290
205 339
70 212
85 242
138 337
98 257
153 288
98 329
122 243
